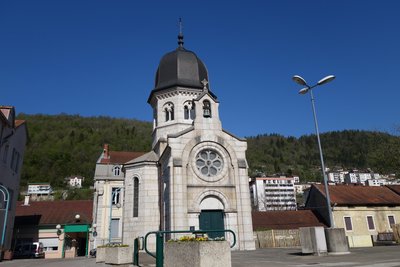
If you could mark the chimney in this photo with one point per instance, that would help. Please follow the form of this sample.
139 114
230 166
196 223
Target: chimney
26 200
106 154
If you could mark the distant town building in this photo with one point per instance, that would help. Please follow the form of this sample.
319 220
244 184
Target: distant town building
336 176
273 193
357 177
300 188
376 182
75 181
13 137
40 191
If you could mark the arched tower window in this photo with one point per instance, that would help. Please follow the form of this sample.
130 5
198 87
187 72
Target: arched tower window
206 109
188 110
169 111
135 197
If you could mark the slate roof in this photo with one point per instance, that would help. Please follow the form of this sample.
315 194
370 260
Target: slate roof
55 212
120 157
288 219
360 195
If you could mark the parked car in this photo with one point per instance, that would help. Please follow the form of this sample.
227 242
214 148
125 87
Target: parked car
29 250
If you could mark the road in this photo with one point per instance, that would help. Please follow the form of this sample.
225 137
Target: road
385 256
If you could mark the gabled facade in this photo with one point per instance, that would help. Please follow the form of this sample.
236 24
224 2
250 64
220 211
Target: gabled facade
13 138
363 211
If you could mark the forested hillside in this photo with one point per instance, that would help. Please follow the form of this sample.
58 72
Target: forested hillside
346 149
64 145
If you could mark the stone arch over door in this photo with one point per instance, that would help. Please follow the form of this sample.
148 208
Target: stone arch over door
211 196
212 216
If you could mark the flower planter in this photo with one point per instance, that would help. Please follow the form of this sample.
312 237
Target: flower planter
118 255
197 254
100 254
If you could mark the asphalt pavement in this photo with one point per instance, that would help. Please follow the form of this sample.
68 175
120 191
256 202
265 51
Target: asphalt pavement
384 256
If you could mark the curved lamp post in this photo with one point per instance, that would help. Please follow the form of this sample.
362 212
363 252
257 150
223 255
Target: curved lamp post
298 79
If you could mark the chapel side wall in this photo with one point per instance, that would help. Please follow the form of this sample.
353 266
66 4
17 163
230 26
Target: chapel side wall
148 214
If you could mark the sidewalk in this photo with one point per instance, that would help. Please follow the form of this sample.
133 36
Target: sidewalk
385 256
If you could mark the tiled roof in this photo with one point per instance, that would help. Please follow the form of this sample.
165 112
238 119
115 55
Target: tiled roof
395 188
120 157
19 122
150 156
288 219
360 195
56 212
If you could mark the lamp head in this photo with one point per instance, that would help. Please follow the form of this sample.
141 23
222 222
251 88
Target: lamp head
304 91
298 79
326 79
58 227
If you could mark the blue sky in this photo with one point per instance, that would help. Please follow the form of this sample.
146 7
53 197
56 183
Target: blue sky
97 57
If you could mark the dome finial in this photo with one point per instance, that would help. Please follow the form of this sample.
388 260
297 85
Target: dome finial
180 36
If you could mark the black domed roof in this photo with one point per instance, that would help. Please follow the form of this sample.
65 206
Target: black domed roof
180 67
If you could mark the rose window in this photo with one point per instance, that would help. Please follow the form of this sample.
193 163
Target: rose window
209 162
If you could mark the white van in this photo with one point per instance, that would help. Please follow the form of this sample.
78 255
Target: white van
29 250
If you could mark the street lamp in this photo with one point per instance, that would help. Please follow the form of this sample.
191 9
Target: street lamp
298 79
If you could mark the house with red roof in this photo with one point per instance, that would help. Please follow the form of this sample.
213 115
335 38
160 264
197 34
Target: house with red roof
365 212
108 197
64 227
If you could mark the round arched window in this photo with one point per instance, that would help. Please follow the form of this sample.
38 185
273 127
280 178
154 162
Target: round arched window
209 162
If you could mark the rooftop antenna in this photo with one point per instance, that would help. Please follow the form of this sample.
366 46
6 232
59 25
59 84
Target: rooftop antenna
180 36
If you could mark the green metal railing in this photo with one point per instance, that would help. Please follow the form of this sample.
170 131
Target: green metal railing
159 256
136 248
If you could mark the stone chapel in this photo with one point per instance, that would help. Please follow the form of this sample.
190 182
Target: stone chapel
196 174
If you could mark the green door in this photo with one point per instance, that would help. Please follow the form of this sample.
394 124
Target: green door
212 220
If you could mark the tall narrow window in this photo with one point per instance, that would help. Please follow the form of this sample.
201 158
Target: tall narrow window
347 223
115 195
370 223
188 110
135 197
114 228
391 220
166 114
186 113
169 111
206 109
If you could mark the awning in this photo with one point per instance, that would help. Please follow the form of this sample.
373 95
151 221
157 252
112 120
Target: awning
75 228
